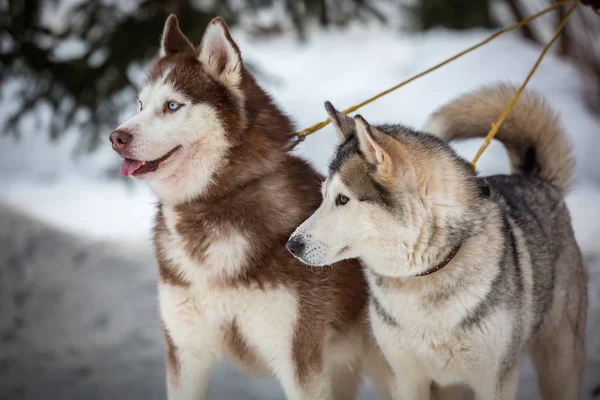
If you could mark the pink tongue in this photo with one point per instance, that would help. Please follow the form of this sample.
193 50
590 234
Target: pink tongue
130 166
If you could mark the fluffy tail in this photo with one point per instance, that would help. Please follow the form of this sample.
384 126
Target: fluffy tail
532 134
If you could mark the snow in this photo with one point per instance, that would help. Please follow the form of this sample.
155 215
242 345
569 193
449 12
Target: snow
108 219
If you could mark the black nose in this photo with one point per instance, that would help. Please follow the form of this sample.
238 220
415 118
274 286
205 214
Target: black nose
295 245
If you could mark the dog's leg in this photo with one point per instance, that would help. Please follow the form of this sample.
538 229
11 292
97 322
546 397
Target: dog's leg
558 355
305 376
413 388
191 351
411 381
455 392
346 381
502 387
507 389
379 372
188 380
315 387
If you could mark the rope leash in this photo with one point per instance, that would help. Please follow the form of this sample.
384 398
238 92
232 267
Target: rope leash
301 135
305 132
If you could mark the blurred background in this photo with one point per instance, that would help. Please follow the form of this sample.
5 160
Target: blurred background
78 316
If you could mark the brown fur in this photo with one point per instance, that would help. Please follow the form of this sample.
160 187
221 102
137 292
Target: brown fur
174 42
238 346
263 192
168 272
172 358
329 298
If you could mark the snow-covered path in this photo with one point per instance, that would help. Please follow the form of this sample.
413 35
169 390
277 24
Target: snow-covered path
78 321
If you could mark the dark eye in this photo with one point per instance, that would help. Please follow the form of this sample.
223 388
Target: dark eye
173 106
139 105
341 200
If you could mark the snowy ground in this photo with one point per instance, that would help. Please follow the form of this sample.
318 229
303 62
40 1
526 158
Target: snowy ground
77 279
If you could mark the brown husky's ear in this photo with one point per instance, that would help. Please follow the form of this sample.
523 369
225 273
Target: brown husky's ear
373 145
173 40
344 125
220 55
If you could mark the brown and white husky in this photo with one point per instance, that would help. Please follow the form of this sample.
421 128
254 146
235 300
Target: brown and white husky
215 150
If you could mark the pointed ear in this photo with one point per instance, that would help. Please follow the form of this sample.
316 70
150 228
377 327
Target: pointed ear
374 145
173 40
390 157
369 147
344 125
219 54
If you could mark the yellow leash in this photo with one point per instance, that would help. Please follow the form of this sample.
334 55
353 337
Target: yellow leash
305 132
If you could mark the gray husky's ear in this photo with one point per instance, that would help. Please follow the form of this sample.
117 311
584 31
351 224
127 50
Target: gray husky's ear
219 54
173 40
370 146
387 155
344 125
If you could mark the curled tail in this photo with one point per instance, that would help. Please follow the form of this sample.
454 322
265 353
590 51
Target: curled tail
532 133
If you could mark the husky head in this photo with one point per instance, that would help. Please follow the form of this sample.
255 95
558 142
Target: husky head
193 112
393 196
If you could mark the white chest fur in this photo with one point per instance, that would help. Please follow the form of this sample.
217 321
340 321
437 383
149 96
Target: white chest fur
224 254
197 315
430 339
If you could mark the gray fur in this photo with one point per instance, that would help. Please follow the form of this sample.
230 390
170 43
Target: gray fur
384 315
519 262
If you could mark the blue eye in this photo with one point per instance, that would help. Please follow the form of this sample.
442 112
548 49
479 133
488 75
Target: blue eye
173 106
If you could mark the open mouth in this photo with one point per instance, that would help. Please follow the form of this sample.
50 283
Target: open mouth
136 167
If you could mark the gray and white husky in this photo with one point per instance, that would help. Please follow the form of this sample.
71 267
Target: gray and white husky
465 273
